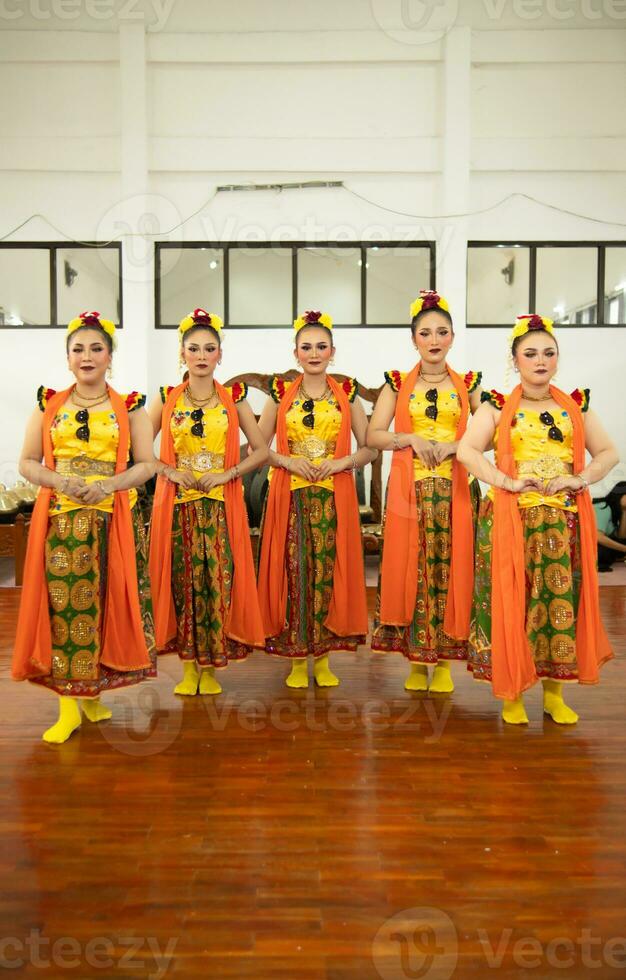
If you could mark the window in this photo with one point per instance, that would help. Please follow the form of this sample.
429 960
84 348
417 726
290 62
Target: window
574 283
47 284
267 285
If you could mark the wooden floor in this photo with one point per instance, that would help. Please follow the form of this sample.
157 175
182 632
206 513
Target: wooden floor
353 833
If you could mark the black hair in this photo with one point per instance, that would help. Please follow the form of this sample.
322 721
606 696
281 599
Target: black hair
108 340
518 340
613 501
437 309
200 326
316 326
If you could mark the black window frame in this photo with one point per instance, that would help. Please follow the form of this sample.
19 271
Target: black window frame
52 248
533 246
294 247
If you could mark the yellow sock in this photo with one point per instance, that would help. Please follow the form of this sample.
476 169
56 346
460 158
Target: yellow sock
299 676
208 684
69 721
189 683
514 712
442 682
417 679
554 705
324 676
94 711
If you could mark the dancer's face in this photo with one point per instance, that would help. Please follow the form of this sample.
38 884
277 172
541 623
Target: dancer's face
536 357
314 350
201 353
433 338
88 357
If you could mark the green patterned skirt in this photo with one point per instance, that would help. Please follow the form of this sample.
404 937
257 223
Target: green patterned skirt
553 578
76 571
425 641
310 560
202 578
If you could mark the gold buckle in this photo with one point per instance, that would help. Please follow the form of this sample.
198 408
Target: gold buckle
85 466
312 447
545 467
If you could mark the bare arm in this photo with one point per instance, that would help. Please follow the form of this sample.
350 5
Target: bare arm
30 465
258 453
603 454
477 440
155 413
293 464
363 454
610 543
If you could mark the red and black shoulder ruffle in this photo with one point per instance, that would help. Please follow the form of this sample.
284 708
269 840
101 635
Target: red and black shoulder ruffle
494 398
581 397
394 379
44 395
165 391
278 388
134 400
350 387
472 380
238 391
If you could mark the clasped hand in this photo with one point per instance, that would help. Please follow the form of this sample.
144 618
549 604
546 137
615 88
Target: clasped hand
430 452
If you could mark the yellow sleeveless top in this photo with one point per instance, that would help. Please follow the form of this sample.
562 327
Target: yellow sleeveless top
441 429
92 460
205 453
317 443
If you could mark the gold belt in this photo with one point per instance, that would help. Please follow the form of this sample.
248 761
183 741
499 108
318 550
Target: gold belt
85 466
201 462
546 467
312 447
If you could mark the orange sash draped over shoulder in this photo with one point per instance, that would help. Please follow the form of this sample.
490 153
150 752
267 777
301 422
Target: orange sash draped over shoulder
347 613
398 591
243 619
123 645
513 668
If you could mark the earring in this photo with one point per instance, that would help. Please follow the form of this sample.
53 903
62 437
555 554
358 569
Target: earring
332 360
182 364
110 371
516 369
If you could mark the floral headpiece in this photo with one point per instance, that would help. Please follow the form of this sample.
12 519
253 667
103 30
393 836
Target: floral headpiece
428 299
531 321
92 319
313 318
200 318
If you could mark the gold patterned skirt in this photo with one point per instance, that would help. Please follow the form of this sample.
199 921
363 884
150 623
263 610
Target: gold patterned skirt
202 578
553 578
424 640
76 571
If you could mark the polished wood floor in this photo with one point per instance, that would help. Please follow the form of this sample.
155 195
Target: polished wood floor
354 833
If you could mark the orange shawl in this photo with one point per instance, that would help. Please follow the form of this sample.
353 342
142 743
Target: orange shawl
347 613
512 663
243 620
123 645
400 551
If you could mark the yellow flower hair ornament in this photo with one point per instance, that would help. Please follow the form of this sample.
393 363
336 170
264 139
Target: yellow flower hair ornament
428 299
92 319
200 318
531 321
313 318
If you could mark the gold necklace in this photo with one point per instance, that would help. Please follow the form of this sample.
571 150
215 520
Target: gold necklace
202 402
533 398
430 377
90 398
91 404
320 398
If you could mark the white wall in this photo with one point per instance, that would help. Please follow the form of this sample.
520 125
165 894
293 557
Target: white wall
127 126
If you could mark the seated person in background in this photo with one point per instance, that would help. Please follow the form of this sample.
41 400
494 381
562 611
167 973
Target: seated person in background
610 514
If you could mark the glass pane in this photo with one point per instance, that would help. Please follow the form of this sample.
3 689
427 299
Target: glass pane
615 285
394 278
497 283
329 279
260 287
88 279
24 286
191 278
567 284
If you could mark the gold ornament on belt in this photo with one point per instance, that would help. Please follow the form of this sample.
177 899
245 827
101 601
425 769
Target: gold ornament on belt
201 462
85 466
312 447
545 467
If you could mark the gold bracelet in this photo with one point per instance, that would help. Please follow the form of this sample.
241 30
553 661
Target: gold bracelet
236 472
396 442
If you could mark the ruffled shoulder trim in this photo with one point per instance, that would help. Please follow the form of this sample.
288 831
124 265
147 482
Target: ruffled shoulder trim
472 380
581 397
394 379
165 392
44 395
279 388
351 387
238 391
494 398
134 401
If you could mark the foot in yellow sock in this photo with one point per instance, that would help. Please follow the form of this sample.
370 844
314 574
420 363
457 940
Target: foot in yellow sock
554 705
417 679
94 711
191 677
69 721
208 684
324 676
299 676
442 682
514 712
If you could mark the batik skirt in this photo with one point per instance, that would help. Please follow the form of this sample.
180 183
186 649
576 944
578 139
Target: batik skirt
310 563
553 579
424 640
76 572
202 578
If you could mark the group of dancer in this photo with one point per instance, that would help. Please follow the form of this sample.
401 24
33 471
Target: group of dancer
507 583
